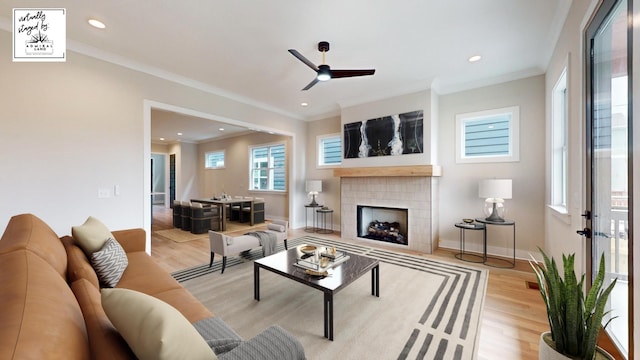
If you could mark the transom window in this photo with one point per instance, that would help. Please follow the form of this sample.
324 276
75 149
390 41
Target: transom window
268 167
214 160
488 136
329 150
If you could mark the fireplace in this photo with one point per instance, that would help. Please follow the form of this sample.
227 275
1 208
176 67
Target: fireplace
410 188
383 224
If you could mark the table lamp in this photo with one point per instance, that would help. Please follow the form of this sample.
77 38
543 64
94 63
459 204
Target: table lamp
313 187
494 191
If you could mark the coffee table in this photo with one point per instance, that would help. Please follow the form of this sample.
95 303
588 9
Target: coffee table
342 275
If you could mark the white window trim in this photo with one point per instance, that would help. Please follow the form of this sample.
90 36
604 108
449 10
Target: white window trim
286 165
224 154
319 139
514 134
561 84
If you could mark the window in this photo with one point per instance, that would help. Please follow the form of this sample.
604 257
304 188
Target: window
488 136
214 160
559 117
329 150
268 166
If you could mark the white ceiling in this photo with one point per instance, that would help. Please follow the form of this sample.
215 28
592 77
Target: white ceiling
239 48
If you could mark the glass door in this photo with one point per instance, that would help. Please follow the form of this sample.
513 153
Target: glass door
607 160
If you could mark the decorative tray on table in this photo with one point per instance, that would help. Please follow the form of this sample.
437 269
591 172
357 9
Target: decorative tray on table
325 261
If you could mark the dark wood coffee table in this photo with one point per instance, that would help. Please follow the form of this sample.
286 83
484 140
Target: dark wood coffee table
342 275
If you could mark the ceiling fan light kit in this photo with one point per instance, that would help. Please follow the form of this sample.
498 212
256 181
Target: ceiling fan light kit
324 72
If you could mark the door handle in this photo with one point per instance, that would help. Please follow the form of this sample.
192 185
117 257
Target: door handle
586 232
586 215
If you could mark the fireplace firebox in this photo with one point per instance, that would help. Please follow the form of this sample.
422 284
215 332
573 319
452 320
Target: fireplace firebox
383 224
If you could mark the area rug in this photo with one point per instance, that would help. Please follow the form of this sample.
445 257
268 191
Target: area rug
427 309
179 235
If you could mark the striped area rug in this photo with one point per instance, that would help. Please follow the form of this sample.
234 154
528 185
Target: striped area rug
438 305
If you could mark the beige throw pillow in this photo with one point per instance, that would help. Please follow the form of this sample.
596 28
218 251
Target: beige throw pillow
152 328
91 236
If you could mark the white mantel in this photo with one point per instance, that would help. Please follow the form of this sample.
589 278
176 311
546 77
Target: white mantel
410 187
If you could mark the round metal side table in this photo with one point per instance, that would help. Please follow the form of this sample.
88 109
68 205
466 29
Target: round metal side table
322 221
465 256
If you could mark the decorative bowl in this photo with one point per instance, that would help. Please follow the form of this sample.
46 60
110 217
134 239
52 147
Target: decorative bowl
468 221
308 249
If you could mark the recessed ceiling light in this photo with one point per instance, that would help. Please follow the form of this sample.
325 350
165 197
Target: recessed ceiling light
475 58
304 104
97 23
221 129
162 139
179 134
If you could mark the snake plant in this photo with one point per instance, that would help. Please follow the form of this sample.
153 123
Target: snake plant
574 320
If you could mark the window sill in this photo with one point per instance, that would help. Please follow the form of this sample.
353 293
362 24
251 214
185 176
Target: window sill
561 213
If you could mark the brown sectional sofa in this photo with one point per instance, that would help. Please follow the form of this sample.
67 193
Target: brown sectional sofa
50 304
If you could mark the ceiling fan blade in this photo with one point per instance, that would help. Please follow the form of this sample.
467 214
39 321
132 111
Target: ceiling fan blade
350 73
303 59
315 80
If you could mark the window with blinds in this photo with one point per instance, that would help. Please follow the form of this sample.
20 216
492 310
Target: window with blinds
329 150
488 136
214 160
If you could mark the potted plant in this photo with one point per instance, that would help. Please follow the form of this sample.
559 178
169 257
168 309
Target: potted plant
574 320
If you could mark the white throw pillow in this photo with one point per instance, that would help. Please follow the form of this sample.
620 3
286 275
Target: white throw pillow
110 262
91 236
152 328
276 227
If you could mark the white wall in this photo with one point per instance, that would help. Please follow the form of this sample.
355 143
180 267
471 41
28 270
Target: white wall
69 129
459 183
560 229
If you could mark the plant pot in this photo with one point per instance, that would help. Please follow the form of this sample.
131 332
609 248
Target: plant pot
547 351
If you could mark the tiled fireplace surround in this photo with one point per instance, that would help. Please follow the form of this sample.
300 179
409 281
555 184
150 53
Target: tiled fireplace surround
416 193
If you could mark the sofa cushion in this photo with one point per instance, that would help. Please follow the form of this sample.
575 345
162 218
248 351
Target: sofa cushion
91 235
186 303
40 317
105 341
109 263
145 275
152 328
79 266
276 227
28 232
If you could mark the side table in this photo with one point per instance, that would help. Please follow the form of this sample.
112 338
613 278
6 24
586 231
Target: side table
510 264
462 255
308 228
322 220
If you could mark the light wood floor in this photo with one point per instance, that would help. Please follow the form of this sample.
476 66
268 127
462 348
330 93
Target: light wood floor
513 316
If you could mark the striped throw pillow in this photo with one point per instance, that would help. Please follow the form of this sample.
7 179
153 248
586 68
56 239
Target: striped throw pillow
110 263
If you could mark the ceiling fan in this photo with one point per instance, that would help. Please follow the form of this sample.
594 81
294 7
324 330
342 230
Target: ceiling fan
324 72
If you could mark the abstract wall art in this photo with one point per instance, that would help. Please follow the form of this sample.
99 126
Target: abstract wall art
398 134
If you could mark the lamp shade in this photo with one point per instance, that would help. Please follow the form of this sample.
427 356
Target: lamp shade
313 186
495 188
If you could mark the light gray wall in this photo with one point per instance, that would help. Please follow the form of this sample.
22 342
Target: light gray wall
458 187
233 179
560 229
330 195
459 183
69 129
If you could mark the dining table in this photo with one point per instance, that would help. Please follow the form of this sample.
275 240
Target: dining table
222 208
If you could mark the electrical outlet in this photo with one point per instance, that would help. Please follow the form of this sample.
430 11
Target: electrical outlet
116 190
104 193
